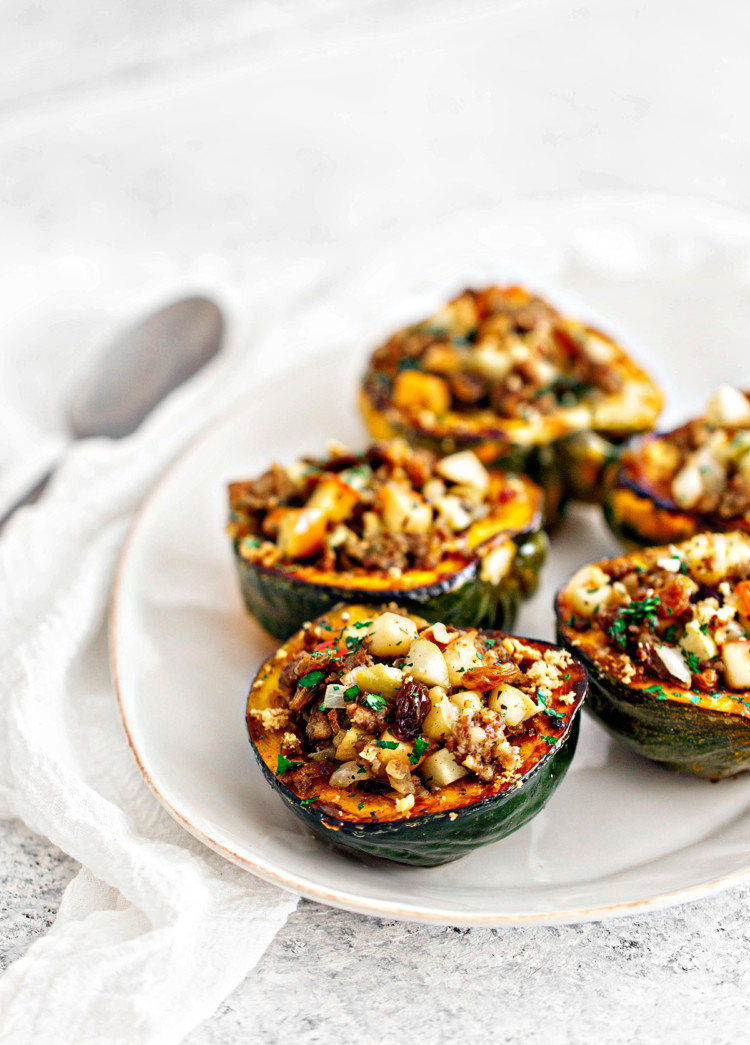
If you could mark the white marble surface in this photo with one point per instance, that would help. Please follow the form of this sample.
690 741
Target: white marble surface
232 145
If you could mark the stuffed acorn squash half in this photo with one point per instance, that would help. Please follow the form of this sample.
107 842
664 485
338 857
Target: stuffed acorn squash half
671 485
501 372
665 635
413 742
444 537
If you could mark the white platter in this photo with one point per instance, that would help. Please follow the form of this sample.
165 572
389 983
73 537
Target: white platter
619 835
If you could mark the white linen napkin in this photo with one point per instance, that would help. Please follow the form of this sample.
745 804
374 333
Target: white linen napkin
155 930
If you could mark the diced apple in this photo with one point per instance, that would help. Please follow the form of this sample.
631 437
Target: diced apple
497 563
414 391
698 642
301 532
461 656
426 663
728 406
382 679
453 513
464 468
736 657
390 634
386 754
490 359
467 698
441 769
404 510
442 716
513 704
586 601
335 498
345 750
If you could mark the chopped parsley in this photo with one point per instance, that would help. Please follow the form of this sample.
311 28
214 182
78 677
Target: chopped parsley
552 713
642 610
391 744
374 702
489 643
548 740
352 642
307 801
351 693
541 700
312 678
656 690
420 746
361 805
692 662
670 634
283 764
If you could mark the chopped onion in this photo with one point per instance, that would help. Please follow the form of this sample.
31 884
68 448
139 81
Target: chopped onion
675 664
334 697
348 773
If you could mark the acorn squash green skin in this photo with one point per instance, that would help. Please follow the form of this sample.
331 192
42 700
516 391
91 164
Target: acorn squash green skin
585 460
681 737
282 602
439 838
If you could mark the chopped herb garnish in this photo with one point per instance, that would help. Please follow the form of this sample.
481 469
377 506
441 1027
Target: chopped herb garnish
250 542
489 643
670 634
567 675
351 694
361 623
692 662
283 764
307 801
361 805
392 744
420 746
541 700
656 690
352 642
703 628
634 613
374 702
552 713
548 740
312 678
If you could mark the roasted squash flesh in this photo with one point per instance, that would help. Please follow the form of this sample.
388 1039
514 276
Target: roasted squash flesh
380 752
665 634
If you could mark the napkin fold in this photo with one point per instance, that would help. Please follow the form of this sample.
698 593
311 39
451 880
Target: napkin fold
156 929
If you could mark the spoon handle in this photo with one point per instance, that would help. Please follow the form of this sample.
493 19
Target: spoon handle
30 497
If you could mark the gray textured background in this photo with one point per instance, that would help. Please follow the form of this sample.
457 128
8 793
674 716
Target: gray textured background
227 137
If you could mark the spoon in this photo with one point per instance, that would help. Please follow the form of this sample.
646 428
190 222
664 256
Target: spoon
137 371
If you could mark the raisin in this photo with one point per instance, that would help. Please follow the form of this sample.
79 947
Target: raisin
410 709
